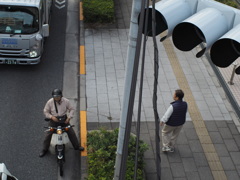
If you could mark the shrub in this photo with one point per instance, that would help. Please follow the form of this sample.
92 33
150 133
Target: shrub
231 3
102 146
98 11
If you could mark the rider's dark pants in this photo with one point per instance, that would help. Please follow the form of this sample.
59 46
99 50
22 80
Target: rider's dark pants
71 135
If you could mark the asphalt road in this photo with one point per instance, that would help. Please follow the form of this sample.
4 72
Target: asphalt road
24 92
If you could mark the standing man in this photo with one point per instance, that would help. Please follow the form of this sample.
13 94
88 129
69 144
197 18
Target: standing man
173 121
55 109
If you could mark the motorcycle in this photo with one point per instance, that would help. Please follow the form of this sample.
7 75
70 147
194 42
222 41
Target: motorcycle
59 143
5 174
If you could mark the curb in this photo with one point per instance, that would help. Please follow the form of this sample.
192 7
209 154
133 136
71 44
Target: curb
82 93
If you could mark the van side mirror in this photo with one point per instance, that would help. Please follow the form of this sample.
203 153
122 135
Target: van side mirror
45 30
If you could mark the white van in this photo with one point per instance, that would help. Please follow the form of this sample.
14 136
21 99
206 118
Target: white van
23 26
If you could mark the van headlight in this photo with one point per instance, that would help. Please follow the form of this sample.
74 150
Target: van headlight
33 54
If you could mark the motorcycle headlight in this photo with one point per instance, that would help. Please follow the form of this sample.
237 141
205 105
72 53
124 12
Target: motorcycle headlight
59 131
33 53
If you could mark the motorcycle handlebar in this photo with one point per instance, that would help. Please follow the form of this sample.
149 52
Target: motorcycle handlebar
46 119
63 127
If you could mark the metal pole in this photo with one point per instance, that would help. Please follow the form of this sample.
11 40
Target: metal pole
133 32
233 72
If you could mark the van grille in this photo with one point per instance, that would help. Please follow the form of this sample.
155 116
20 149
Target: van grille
14 53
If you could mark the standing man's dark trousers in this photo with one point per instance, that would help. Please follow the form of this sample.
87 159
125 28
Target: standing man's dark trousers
71 135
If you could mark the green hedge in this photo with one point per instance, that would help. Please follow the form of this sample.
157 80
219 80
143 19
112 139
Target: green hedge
102 146
98 11
231 3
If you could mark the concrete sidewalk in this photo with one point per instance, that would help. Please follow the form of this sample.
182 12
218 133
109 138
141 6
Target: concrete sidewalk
208 146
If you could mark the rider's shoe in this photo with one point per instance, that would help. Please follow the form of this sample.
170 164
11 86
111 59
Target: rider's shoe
42 153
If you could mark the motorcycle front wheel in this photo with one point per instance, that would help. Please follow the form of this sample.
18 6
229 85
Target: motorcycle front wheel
60 167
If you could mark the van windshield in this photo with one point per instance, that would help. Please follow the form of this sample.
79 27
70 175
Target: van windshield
18 20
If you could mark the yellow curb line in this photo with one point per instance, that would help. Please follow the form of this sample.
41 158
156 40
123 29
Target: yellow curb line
82 71
80 11
82 60
83 135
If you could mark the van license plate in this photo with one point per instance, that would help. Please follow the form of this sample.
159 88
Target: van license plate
10 61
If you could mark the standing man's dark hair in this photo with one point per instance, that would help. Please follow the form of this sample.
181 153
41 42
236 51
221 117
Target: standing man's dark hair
179 93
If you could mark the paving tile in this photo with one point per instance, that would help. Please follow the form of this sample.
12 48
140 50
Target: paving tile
195 146
227 163
102 98
231 145
200 159
222 107
184 150
164 160
115 125
145 137
202 105
221 149
92 126
205 173
149 166
225 133
211 102
221 124
177 170
187 125
143 128
192 176
232 175
189 164
233 128
106 125
211 125
191 134
237 139
152 176
166 174
238 170
215 111
235 157
206 115
151 125
174 157
182 139
216 137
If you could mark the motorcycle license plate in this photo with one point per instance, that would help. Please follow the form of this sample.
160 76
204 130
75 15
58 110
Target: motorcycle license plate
10 61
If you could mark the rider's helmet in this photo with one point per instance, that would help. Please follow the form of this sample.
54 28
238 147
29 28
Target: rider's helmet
56 93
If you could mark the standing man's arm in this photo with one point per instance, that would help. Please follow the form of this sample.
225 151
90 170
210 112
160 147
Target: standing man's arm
167 115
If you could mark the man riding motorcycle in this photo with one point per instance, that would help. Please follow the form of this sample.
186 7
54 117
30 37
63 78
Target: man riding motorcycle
56 110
